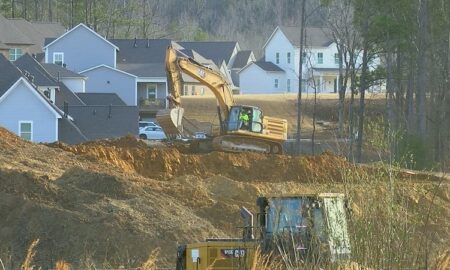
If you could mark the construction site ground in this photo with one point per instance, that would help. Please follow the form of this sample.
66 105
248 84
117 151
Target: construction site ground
110 203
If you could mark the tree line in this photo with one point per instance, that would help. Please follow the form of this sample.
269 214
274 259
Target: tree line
412 39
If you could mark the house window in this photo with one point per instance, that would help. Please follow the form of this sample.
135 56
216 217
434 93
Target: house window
26 130
48 93
185 90
336 58
288 57
202 91
320 58
14 54
288 85
277 58
276 83
151 91
193 90
58 58
303 57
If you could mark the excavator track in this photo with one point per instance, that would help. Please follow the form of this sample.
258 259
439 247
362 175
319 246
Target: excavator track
238 143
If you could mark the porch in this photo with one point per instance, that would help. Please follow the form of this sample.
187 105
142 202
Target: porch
151 96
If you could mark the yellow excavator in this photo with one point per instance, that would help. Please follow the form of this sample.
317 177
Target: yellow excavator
308 229
253 132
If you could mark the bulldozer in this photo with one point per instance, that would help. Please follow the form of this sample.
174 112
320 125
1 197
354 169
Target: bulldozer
298 228
257 132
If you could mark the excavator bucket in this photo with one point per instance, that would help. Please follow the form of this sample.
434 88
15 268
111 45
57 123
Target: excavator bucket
170 121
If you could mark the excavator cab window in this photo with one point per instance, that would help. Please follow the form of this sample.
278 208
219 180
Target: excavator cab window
245 118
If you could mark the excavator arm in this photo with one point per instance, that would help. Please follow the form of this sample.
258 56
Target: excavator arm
176 63
212 79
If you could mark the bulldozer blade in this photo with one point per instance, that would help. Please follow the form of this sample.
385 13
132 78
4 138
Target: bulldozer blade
170 121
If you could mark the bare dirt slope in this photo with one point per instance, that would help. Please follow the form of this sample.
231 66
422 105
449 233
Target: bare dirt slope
203 108
112 202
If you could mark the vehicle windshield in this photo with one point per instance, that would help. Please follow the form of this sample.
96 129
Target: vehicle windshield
298 214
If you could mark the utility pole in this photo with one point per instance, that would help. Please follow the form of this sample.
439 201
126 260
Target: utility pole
300 78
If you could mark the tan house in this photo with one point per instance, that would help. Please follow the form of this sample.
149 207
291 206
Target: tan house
19 36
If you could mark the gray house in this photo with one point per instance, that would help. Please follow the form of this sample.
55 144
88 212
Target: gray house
134 69
23 109
38 107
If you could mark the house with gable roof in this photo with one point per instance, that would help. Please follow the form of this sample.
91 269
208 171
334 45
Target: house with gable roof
19 36
134 69
40 108
282 49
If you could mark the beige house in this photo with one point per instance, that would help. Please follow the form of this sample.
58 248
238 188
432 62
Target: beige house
18 36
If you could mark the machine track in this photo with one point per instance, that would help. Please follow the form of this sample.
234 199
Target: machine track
238 143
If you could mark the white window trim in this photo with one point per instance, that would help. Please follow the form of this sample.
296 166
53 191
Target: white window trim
16 55
318 58
156 89
20 129
61 53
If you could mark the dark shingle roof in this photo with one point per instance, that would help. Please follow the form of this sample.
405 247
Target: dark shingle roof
28 64
9 74
314 36
268 66
141 51
142 57
144 70
218 51
43 78
99 122
56 70
101 99
242 58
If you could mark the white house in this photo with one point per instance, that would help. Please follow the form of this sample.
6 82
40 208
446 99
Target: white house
282 49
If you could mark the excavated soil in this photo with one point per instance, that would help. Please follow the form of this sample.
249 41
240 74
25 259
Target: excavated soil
131 155
111 202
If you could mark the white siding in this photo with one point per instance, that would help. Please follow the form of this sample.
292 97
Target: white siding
254 80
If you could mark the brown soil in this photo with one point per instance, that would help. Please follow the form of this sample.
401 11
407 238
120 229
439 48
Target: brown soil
113 201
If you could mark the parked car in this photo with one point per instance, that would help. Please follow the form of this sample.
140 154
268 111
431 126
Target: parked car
200 136
143 124
152 133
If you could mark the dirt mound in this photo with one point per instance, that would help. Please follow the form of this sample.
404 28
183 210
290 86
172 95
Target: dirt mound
164 163
111 202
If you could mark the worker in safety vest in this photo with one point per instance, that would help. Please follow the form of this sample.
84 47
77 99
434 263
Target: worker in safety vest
244 118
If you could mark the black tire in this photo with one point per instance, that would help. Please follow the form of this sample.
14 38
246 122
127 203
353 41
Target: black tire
143 136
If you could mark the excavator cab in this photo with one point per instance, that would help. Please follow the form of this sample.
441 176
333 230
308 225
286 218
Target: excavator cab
235 121
309 226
